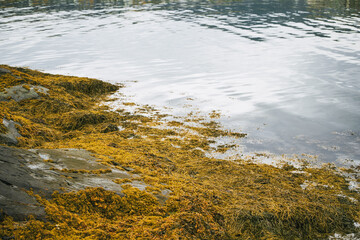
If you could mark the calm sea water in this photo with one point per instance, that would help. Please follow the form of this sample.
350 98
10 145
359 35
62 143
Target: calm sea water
287 72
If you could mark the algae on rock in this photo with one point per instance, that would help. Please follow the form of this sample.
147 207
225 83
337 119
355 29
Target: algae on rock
206 198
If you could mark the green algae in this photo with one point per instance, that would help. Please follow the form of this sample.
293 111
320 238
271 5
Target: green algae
210 198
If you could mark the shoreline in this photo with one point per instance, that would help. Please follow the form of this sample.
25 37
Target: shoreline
168 187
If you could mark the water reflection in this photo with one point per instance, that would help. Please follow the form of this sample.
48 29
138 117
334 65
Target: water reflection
319 7
285 71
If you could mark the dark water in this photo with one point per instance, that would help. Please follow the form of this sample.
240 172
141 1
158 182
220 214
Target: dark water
287 72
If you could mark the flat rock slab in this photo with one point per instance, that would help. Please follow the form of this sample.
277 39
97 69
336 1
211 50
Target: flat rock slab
22 92
69 158
22 169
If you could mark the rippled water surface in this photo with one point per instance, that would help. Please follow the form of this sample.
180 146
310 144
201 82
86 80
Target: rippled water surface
287 72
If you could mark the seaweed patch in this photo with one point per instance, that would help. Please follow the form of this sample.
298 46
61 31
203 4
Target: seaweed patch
186 193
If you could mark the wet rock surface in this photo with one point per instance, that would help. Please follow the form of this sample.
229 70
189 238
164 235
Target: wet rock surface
22 92
11 135
38 169
69 159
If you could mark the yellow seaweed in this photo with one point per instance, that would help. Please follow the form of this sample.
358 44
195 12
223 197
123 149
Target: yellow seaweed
207 198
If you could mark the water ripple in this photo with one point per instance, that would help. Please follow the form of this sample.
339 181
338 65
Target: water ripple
293 66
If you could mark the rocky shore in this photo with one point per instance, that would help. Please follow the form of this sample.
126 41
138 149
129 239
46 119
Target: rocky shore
72 168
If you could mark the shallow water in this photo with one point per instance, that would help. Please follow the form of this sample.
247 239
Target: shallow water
286 72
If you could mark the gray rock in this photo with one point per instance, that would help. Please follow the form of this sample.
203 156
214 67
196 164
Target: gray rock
22 169
10 137
4 70
138 184
5 139
69 158
15 176
19 93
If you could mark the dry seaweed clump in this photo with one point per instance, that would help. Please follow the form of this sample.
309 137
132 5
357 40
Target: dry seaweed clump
201 197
